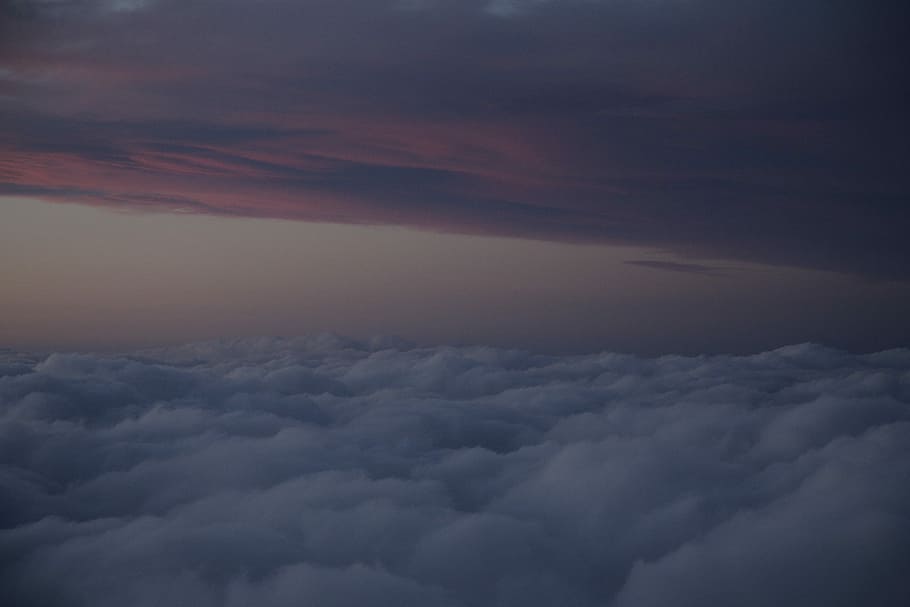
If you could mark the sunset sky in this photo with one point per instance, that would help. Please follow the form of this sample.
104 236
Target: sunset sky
454 303
638 175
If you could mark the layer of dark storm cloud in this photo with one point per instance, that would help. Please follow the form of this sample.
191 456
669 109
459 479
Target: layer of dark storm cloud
325 471
771 131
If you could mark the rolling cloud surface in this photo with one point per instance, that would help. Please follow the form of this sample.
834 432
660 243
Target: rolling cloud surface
326 471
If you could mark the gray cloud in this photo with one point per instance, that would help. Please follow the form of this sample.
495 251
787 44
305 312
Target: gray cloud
327 471
674 266
760 130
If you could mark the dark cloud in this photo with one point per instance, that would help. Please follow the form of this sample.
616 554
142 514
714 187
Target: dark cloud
767 131
673 266
334 472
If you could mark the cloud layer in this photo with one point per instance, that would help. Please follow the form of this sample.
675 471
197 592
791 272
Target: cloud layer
763 130
331 472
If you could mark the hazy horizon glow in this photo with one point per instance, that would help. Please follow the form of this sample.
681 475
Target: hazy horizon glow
124 280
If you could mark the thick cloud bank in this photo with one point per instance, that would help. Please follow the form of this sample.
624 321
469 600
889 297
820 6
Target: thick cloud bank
768 131
326 472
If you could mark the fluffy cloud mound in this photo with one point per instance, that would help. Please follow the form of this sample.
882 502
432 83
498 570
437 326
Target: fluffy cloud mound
322 471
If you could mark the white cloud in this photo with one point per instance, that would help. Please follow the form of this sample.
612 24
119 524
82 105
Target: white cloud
327 471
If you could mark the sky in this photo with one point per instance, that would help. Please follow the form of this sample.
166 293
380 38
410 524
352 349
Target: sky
639 175
455 303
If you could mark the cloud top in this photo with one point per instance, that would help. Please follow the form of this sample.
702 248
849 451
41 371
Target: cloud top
333 472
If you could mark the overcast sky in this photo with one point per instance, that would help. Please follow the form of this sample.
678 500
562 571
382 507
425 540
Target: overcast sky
682 144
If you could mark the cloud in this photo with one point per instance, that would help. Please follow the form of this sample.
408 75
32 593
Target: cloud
673 266
328 471
767 131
